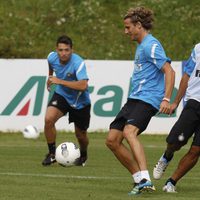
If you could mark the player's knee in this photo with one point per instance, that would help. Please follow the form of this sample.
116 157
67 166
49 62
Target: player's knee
111 144
174 147
129 135
49 122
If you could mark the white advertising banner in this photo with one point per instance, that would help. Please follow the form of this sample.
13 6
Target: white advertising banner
24 96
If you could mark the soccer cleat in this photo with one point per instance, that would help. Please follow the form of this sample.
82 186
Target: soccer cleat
169 187
49 159
146 185
81 161
135 190
160 168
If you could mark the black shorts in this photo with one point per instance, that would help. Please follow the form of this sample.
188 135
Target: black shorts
135 112
80 117
187 125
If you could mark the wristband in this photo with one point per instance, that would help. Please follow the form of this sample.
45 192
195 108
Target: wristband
166 99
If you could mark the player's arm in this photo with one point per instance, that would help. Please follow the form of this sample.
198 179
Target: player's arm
188 69
50 70
80 85
181 92
169 85
48 81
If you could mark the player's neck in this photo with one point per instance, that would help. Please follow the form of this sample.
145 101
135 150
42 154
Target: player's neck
142 36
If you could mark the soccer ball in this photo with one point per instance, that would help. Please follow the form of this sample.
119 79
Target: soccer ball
67 154
31 132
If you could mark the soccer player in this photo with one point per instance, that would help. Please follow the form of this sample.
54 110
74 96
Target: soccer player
187 125
71 96
152 85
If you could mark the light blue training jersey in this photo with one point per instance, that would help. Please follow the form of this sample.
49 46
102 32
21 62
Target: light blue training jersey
148 82
192 68
73 70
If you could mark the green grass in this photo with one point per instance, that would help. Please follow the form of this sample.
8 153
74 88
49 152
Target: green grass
29 28
23 177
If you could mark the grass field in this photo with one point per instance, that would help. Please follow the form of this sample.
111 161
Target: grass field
23 177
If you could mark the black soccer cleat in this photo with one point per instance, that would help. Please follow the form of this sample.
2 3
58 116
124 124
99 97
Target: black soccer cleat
49 159
81 161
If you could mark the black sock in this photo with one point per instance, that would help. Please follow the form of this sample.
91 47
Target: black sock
83 153
52 147
168 156
171 180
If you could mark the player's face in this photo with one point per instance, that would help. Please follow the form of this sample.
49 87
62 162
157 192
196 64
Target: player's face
64 52
133 30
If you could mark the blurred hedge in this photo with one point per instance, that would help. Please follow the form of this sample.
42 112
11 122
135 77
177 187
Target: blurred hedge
29 28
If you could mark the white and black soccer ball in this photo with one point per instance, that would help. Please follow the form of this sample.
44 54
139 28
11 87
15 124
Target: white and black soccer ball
67 154
31 132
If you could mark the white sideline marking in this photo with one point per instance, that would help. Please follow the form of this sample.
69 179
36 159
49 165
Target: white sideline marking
58 176
146 146
73 177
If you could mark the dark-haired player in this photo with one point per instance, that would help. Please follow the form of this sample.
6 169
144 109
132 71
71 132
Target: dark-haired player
71 96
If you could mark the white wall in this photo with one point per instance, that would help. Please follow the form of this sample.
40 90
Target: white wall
109 80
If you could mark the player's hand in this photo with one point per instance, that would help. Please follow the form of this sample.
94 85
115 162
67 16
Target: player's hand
48 85
173 108
164 107
54 80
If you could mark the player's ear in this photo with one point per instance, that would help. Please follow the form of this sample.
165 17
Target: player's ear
139 25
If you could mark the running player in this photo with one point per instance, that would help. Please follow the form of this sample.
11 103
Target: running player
71 96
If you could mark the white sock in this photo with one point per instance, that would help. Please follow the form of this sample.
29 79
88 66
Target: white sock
137 177
145 174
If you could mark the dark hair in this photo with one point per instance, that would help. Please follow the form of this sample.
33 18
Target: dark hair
142 15
64 39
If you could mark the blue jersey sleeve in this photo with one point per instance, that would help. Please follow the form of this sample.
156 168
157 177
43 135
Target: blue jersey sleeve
51 58
156 55
190 64
81 72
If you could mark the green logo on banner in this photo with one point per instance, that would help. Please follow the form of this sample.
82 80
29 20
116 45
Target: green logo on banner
113 102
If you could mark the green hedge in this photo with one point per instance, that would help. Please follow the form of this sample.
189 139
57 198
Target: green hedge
29 28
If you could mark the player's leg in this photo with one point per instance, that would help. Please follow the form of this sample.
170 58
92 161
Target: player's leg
57 108
140 114
114 142
121 152
164 160
81 119
182 130
130 134
83 141
135 113
115 138
51 117
187 162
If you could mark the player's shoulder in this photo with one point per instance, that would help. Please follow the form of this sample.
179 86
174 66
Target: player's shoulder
52 56
151 44
76 59
197 48
151 40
